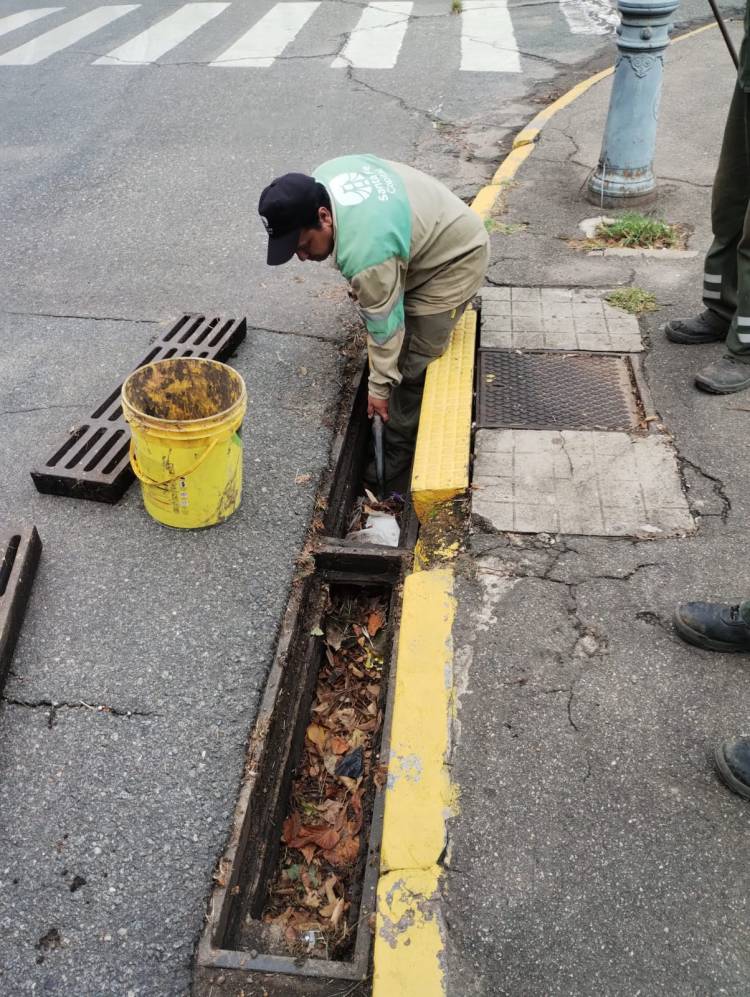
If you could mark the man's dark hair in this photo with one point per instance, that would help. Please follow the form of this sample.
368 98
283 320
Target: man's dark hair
322 200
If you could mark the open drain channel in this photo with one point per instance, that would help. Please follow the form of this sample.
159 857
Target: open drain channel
314 766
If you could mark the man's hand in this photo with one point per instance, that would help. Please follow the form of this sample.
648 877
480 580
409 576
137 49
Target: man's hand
377 406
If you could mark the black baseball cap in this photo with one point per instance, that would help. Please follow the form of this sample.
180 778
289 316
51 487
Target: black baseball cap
286 206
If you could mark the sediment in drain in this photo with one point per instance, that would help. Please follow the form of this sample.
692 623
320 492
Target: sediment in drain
312 908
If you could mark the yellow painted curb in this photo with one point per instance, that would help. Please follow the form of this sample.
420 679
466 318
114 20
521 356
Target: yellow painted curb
441 460
408 954
418 796
408 938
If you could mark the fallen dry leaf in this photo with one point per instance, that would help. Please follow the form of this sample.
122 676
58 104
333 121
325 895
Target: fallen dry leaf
345 853
302 479
337 912
338 745
374 622
317 735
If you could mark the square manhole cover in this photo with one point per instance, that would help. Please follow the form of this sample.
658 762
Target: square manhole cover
555 391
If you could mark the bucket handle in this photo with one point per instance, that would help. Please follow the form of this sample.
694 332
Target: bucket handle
167 481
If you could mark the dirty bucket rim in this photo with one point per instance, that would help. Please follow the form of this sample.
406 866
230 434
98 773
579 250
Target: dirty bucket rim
181 425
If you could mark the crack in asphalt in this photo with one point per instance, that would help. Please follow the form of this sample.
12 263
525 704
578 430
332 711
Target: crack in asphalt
717 483
331 340
423 112
55 707
85 318
40 408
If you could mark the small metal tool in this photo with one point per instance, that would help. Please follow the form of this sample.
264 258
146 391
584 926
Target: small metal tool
377 439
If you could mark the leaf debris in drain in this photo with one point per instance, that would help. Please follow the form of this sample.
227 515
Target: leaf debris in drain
313 898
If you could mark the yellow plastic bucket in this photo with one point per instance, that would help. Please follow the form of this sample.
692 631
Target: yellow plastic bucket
185 416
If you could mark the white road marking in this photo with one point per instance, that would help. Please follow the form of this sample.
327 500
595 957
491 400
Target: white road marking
589 17
269 37
24 17
488 43
151 44
377 38
64 36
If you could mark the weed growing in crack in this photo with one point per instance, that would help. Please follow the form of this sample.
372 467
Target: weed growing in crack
634 300
493 226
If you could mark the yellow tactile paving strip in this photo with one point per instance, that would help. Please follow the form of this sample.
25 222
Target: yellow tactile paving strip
441 461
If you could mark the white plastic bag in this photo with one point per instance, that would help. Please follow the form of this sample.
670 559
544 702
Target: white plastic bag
380 528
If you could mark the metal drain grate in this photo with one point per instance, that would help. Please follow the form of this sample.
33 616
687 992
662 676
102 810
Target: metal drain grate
19 557
93 463
554 391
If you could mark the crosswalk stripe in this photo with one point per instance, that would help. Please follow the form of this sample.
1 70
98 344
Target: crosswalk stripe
24 17
64 36
269 37
589 17
377 38
167 34
488 43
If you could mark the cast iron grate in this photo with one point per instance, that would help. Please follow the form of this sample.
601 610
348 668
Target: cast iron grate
93 462
19 557
555 391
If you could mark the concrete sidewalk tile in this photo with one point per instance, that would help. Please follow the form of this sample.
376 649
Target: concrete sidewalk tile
497 322
556 319
523 294
556 294
495 294
582 482
494 441
493 464
497 339
496 307
495 513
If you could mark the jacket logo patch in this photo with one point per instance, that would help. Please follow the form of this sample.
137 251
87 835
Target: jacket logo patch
350 188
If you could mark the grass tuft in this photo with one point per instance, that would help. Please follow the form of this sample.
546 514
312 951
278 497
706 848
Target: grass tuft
633 299
638 231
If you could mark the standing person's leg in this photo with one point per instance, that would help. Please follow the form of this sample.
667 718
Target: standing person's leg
729 204
427 337
732 372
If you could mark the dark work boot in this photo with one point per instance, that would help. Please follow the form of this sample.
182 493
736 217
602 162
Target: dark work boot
714 626
708 327
733 764
725 376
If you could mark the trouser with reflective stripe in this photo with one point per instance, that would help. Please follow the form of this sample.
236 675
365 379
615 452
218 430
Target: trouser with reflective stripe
726 283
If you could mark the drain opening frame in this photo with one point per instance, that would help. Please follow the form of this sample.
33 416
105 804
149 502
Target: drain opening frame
254 845
242 878
20 551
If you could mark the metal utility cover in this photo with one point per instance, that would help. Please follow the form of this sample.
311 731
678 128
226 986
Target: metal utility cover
554 391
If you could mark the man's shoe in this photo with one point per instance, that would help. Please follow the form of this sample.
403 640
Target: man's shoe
708 327
733 764
724 376
713 626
